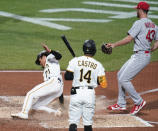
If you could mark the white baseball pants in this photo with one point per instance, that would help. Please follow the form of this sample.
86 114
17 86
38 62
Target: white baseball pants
44 93
82 104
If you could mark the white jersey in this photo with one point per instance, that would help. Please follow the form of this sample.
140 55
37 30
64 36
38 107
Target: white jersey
86 71
52 68
47 91
143 31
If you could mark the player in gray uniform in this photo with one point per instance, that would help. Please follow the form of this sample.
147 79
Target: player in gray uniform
86 73
142 32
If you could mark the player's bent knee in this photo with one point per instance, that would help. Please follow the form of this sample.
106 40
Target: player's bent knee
88 128
30 95
123 81
73 127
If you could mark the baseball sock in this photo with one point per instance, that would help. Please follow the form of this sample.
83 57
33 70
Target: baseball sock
73 127
88 128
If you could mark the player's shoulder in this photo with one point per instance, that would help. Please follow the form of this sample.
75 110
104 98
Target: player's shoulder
74 59
138 22
79 58
50 56
96 61
143 20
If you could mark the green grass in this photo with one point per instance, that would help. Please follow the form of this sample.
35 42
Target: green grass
20 41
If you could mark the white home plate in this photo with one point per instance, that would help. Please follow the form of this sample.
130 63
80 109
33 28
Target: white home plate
13 104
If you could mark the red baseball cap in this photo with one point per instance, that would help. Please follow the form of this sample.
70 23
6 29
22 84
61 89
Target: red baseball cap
143 5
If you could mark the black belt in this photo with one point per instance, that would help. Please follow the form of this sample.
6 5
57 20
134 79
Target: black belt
89 87
145 51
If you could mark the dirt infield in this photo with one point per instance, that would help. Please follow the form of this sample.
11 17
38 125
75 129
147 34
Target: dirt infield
15 84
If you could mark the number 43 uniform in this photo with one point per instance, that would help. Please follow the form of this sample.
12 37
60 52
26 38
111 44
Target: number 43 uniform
144 31
86 71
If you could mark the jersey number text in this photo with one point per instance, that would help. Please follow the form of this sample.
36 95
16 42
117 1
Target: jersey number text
86 76
150 35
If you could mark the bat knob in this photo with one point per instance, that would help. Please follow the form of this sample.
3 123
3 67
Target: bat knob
62 36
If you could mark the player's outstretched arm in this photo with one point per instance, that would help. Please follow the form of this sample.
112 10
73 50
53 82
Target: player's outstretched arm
124 41
57 55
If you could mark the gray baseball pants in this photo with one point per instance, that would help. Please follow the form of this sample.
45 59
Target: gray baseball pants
128 71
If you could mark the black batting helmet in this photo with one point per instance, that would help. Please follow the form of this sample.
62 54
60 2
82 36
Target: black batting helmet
42 53
89 47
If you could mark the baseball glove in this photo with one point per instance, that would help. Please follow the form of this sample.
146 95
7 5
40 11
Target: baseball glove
105 49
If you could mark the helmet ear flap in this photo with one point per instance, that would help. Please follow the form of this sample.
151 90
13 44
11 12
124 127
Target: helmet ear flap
89 47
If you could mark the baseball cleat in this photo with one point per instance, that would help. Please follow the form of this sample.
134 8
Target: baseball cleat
20 115
116 107
137 108
58 112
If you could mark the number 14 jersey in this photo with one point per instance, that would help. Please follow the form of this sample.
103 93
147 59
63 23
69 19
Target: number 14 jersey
86 70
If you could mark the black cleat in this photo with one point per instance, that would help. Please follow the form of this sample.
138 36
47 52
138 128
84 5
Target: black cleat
61 99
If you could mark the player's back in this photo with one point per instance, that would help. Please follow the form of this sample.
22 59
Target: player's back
86 71
145 35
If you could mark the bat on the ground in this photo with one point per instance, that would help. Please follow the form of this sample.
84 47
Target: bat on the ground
63 37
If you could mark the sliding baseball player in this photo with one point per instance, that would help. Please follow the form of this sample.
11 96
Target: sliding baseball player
51 88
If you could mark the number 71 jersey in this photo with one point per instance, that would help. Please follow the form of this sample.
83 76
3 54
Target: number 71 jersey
86 71
52 68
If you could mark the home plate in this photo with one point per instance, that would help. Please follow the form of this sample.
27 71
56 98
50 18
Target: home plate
102 121
13 104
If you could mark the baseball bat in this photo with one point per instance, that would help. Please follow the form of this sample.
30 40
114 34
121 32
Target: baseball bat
63 37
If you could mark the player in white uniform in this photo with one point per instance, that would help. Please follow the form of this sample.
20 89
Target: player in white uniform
51 88
142 32
86 73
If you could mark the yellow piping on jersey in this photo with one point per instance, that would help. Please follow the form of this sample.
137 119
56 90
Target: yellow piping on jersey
35 91
102 81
